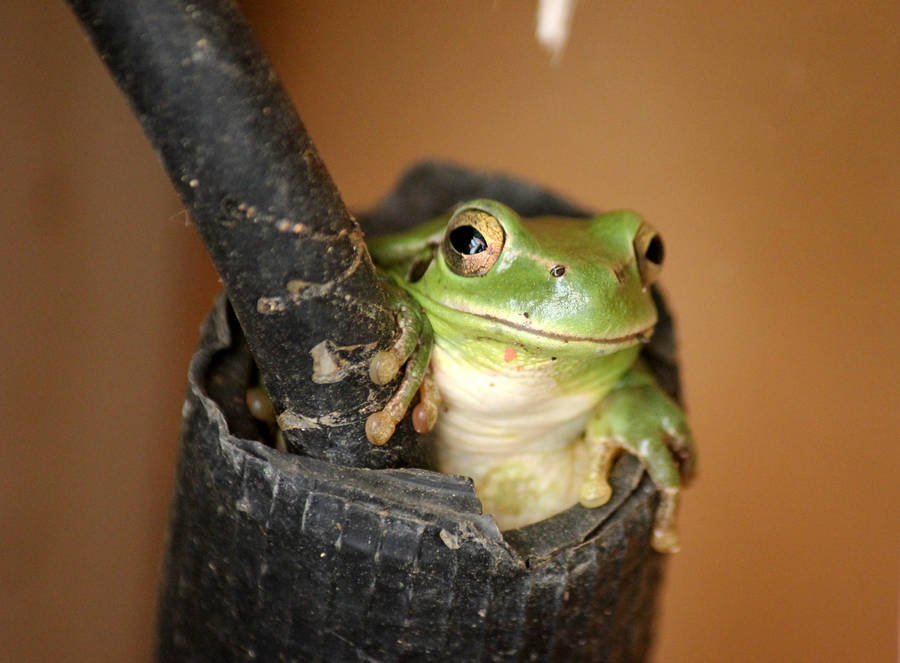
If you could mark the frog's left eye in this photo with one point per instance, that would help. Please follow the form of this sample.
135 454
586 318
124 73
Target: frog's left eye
472 242
649 250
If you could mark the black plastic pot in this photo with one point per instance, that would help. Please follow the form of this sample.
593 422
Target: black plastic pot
278 557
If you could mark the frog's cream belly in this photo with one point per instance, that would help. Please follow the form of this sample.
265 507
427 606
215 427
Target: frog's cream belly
516 434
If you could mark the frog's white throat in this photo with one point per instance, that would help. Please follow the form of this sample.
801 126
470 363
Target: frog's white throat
508 409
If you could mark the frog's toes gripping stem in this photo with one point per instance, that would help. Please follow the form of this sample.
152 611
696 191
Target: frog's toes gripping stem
411 322
412 346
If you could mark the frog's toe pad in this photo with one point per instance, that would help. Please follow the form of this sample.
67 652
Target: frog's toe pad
665 540
379 427
424 417
260 405
594 493
384 367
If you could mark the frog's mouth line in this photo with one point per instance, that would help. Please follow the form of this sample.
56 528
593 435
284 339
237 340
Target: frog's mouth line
642 335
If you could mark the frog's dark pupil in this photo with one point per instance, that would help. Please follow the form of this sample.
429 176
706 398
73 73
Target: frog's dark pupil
558 271
467 240
655 251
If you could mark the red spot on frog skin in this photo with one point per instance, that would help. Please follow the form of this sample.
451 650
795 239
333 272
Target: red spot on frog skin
509 355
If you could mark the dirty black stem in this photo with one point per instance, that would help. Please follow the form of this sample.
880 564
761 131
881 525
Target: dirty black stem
289 254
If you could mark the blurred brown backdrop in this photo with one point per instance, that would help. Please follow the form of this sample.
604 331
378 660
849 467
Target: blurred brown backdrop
761 138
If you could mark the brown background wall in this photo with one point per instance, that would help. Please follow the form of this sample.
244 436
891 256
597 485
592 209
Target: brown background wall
761 139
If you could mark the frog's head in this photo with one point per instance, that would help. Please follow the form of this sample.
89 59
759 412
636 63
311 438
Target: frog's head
552 283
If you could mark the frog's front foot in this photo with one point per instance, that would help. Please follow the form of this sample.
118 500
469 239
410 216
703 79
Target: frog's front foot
412 347
646 423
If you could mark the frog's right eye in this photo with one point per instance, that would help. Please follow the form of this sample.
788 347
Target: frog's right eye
649 251
472 242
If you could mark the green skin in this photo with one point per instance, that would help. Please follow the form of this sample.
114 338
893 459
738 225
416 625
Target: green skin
537 367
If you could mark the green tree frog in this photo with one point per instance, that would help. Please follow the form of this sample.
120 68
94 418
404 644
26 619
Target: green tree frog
522 337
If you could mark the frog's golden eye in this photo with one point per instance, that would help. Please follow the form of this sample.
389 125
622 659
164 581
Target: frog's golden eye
472 242
649 250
